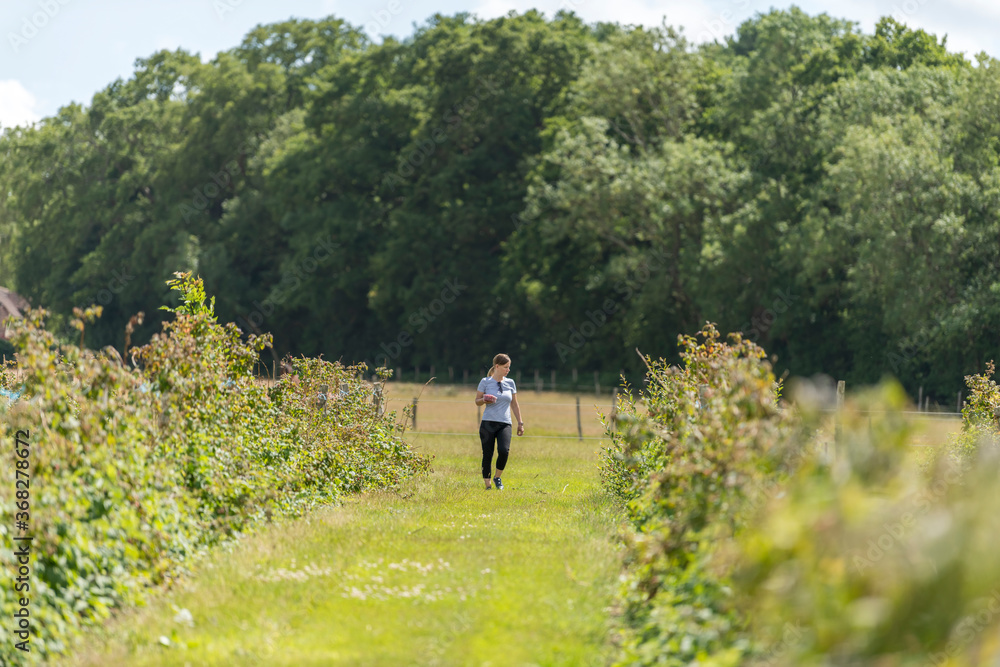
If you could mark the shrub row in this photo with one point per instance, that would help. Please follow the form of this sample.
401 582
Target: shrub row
760 532
132 472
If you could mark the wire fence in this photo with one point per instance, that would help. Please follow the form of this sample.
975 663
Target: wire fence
573 381
539 437
554 417
544 415
450 410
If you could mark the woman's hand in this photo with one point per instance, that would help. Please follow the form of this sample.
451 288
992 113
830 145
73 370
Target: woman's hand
520 428
489 398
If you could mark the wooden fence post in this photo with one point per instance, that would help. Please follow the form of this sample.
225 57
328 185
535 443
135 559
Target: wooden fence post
451 374
579 424
377 400
920 397
841 386
959 404
414 413
398 375
614 409
321 397
574 376
432 371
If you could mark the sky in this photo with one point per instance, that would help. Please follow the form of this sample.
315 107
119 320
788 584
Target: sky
56 52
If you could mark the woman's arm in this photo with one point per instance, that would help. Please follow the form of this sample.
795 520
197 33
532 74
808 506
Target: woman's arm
516 409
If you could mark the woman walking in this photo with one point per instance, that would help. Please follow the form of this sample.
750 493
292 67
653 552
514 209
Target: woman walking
498 393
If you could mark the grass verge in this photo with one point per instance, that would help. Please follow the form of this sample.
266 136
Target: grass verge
443 573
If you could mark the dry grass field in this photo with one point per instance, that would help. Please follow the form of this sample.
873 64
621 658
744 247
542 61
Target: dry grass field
452 409
935 431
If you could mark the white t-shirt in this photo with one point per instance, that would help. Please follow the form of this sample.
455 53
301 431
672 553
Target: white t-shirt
499 411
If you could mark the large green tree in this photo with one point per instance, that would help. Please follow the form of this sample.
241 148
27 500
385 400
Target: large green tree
560 191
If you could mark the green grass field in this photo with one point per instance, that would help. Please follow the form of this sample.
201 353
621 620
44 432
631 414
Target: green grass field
442 573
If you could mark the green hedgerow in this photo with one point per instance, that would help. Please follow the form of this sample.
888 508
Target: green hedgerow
980 418
135 470
691 468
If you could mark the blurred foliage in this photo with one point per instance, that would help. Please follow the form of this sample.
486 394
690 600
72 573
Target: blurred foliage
135 470
764 532
831 194
873 558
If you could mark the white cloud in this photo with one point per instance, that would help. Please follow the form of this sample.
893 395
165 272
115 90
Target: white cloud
982 7
17 105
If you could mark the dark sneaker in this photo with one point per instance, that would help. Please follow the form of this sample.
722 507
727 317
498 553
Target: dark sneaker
498 483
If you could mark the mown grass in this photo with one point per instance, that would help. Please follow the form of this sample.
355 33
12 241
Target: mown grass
442 573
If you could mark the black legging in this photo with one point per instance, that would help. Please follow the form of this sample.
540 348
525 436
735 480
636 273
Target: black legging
490 432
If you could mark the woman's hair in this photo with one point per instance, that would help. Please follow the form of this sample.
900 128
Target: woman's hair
498 360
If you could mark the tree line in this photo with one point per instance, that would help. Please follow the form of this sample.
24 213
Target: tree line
561 191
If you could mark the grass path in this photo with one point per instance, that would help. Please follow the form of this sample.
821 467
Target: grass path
443 573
